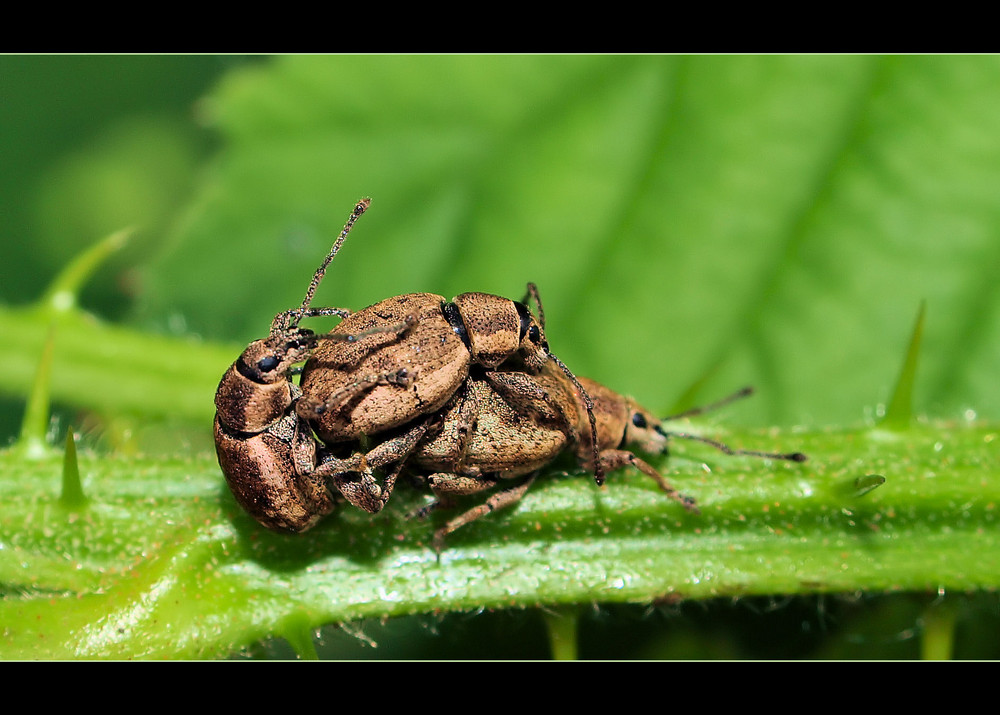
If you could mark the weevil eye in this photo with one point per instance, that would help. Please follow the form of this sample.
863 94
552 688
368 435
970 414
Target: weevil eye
639 420
535 336
267 364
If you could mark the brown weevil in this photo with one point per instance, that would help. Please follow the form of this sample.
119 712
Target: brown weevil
403 359
276 469
347 396
468 388
484 439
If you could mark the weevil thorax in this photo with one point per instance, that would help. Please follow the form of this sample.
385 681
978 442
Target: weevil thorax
496 328
255 391
643 429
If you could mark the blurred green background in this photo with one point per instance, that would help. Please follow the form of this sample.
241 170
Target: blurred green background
694 224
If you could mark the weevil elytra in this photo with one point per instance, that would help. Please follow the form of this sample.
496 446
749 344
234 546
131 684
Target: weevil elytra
276 469
485 440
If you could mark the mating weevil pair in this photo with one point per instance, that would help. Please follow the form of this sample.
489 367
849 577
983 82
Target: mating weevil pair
466 389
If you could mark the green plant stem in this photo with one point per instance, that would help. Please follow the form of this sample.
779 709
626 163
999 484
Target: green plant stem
562 625
162 563
938 631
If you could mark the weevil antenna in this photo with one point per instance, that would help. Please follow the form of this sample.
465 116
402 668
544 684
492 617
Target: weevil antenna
738 395
398 328
532 294
790 456
589 402
359 209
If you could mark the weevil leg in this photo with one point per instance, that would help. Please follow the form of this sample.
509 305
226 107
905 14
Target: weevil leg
507 497
310 408
399 329
531 293
422 512
355 478
612 459
448 485
285 321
